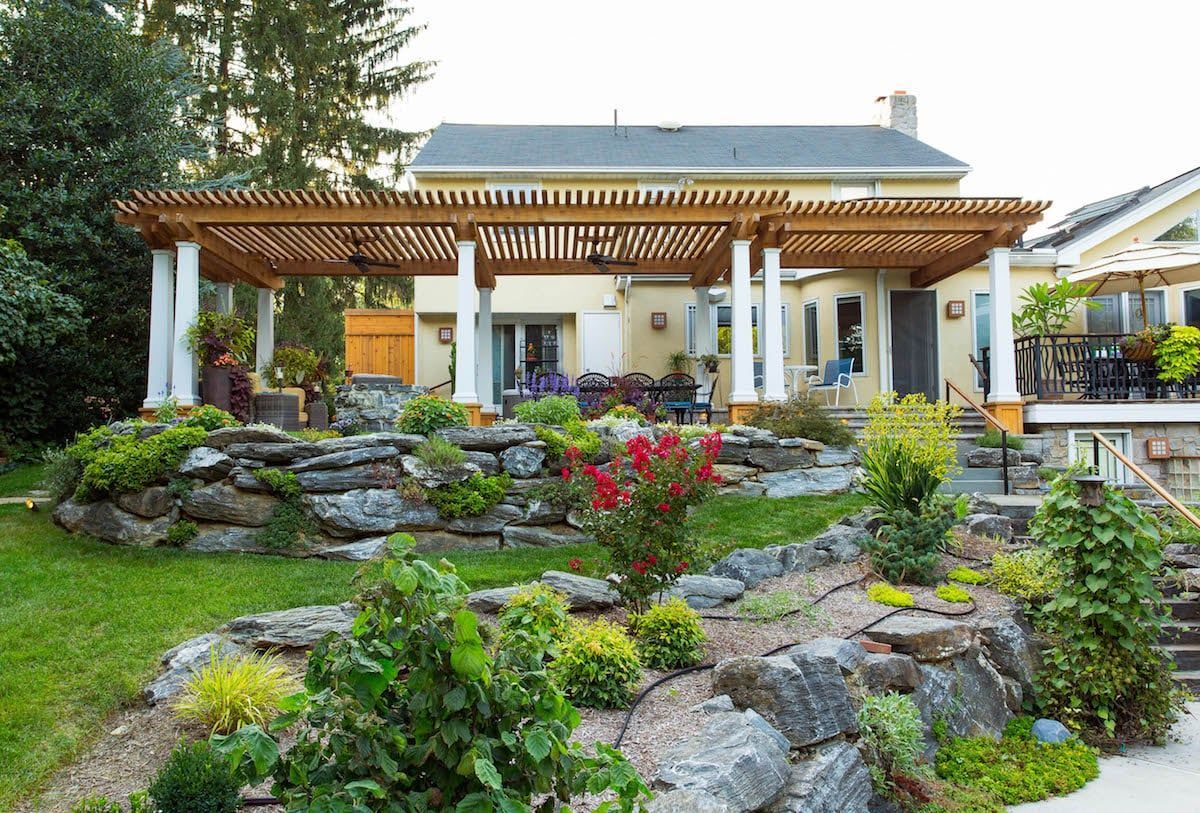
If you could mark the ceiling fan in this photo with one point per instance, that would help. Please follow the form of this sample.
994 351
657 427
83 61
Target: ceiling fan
361 261
602 261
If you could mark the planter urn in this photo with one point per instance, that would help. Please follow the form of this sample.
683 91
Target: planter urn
216 387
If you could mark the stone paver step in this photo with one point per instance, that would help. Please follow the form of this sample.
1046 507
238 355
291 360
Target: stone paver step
1184 633
1184 610
1189 679
1187 656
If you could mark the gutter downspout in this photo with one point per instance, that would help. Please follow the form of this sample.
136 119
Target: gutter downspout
625 284
881 320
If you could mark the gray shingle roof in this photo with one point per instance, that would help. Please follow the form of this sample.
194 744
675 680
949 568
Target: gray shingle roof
1096 215
693 148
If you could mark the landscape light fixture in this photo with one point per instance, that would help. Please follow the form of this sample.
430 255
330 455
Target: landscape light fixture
1091 489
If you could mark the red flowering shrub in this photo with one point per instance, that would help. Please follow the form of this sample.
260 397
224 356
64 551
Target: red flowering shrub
637 509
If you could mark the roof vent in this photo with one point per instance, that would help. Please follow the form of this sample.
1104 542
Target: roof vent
669 126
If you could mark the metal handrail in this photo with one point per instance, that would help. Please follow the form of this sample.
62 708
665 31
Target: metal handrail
989 419
1099 440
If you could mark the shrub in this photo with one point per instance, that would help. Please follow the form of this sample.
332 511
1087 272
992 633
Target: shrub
439 453
300 365
906 547
642 521
896 481
686 431
129 464
1017 768
426 414
213 334
577 435
60 473
282 483
412 712
538 612
908 449
208 418
801 418
890 726
953 594
991 437
181 532
1032 574
625 412
669 635
1102 672
965 575
95 804
556 410
195 779
597 665
235 690
309 435
884 593
469 498
1178 355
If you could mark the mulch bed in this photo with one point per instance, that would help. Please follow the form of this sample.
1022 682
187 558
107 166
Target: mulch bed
138 739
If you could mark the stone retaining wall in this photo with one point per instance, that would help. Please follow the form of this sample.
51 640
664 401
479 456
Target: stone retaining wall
375 406
356 489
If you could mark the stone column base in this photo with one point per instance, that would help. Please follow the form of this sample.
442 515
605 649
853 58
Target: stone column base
739 412
474 414
1009 413
147 413
487 417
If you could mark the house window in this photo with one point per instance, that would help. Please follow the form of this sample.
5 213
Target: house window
1185 231
1080 449
1191 307
854 191
689 329
724 323
981 316
848 312
1122 313
541 349
812 342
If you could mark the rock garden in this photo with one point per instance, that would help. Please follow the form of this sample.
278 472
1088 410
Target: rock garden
920 655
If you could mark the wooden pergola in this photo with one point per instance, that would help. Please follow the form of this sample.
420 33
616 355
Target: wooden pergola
260 236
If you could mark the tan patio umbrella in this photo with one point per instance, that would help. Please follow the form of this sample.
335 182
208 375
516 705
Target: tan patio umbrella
1129 268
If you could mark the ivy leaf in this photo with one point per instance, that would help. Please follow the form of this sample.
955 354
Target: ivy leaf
487 774
370 786
537 744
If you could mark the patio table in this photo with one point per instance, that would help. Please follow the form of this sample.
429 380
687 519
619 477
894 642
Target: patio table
657 393
798 371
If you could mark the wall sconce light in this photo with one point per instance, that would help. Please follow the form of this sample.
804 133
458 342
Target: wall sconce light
445 335
1091 489
658 320
1158 448
956 309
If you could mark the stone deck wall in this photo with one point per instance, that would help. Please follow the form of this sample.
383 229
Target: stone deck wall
357 490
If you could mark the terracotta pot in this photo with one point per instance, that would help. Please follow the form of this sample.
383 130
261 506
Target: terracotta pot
215 387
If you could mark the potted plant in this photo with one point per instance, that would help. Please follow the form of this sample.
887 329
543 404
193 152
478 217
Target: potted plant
1047 309
709 361
221 342
1177 354
677 362
1141 345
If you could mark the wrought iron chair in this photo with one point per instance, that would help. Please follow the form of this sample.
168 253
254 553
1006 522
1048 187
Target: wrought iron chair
677 392
592 387
704 403
838 376
633 383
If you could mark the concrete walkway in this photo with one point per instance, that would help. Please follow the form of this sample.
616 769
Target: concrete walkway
1160 779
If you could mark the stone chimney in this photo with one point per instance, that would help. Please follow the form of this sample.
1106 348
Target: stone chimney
897 111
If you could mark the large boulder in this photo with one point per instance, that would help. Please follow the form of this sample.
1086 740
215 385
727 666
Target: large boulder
222 502
837 456
731 759
1013 651
734 449
254 433
490 600
431 477
685 800
846 654
183 661
206 463
297 628
799 557
221 537
523 461
582 592
834 779
488 438
546 512
753 435
844 543
400 441
538 536
732 473
489 522
891 672
992 526
704 592
442 541
106 521
925 638
799 482
369 475
371 512
347 457
966 693
802 695
151 502
486 462
273 453
360 551
748 565
778 458
992 458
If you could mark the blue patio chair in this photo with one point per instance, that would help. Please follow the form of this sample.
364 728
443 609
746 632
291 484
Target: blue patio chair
677 392
704 403
838 376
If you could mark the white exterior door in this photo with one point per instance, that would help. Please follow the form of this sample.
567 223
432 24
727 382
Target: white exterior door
601 343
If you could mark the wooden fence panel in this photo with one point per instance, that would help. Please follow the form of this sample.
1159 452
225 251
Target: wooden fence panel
381 342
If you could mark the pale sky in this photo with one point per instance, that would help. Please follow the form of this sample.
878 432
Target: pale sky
1068 101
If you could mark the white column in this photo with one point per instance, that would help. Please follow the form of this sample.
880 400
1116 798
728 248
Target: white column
464 332
162 329
224 297
770 334
483 369
184 385
743 341
1003 352
702 331
264 342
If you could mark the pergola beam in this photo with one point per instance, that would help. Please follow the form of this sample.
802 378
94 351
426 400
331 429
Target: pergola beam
964 256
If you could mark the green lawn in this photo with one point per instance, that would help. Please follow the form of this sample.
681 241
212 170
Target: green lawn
20 480
82 623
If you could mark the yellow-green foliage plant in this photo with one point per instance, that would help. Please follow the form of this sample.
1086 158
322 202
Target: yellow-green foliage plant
536 611
884 593
235 690
669 635
953 594
1031 574
923 431
965 575
597 666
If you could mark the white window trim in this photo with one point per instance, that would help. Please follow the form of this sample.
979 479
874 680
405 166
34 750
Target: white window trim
1127 443
816 310
1183 303
835 188
689 310
520 321
1125 303
689 328
862 298
976 384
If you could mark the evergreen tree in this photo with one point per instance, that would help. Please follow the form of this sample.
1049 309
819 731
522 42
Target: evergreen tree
88 111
